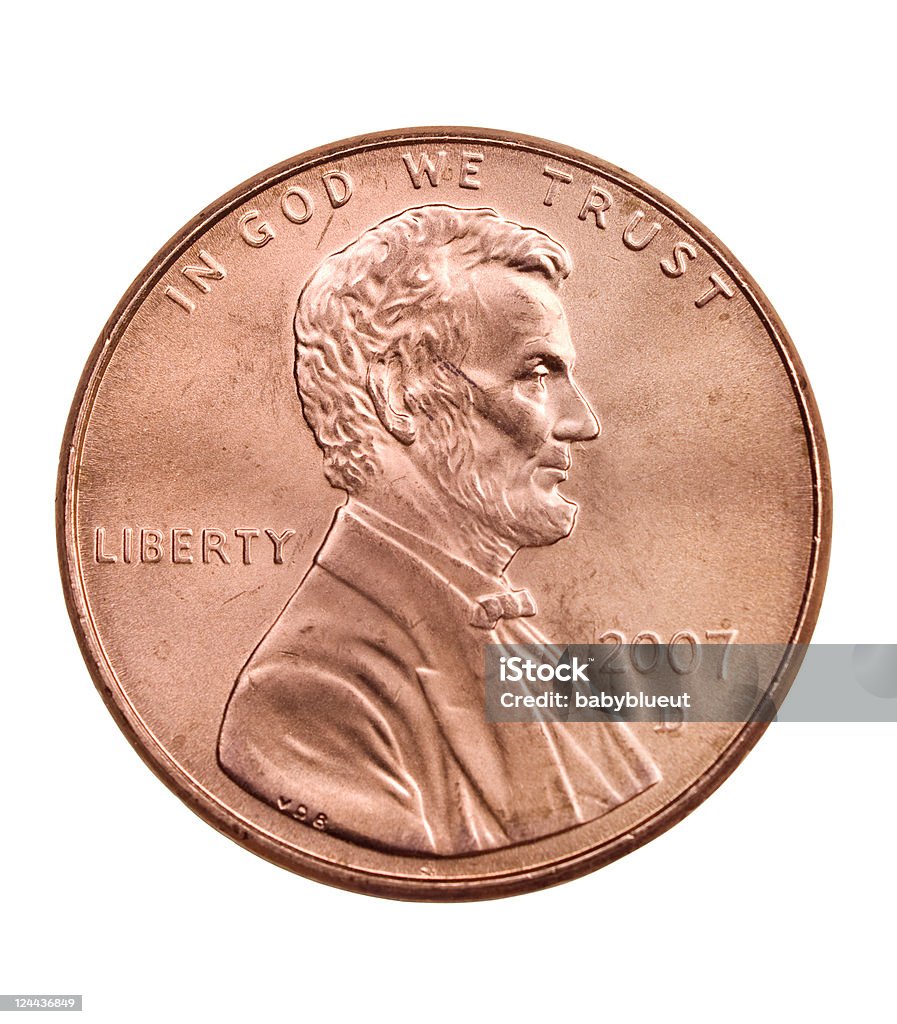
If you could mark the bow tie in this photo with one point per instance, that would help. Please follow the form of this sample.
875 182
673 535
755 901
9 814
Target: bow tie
509 604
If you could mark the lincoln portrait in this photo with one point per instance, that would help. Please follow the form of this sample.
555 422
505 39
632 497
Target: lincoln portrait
435 368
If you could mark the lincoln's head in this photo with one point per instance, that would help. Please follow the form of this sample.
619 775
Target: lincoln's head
434 361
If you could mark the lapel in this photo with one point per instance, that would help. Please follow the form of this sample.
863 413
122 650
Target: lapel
436 615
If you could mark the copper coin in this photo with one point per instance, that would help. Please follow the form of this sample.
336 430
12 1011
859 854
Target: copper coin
397 399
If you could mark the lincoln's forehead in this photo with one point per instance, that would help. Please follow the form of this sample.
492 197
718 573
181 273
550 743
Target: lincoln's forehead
516 316
512 298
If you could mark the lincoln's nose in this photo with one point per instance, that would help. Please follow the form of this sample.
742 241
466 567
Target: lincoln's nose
577 421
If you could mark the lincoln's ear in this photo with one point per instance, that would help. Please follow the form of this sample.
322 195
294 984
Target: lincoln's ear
386 386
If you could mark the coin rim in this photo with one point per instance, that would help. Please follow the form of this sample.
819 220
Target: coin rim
213 810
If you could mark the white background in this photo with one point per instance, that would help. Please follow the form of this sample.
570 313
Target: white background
773 124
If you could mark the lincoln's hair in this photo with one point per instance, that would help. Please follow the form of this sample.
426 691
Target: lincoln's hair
401 290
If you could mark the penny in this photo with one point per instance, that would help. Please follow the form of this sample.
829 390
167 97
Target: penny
393 402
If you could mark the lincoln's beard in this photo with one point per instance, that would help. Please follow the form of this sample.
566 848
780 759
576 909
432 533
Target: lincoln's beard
499 508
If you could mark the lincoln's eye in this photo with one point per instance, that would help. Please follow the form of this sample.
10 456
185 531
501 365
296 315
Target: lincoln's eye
539 374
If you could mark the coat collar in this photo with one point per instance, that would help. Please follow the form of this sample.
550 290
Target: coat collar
481 598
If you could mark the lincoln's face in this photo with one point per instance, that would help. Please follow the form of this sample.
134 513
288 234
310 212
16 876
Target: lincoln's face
527 412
